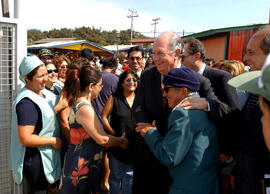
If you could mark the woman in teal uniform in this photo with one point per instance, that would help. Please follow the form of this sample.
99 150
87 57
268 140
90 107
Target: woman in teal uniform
35 143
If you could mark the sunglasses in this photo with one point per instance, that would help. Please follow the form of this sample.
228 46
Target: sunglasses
50 71
129 80
137 58
166 88
63 66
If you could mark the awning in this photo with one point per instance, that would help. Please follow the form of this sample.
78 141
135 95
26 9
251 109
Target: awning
72 45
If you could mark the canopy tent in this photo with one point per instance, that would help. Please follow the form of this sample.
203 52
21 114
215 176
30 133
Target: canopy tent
75 46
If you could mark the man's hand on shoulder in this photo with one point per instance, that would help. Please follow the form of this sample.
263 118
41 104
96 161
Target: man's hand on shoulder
194 103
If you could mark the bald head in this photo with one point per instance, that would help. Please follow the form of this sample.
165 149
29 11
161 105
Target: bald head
167 50
170 40
264 34
257 48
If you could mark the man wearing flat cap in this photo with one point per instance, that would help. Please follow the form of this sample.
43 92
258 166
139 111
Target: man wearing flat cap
150 176
189 150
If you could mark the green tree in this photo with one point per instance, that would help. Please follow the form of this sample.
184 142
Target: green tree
34 35
92 34
62 33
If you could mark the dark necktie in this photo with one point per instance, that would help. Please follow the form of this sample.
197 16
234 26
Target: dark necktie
252 103
164 99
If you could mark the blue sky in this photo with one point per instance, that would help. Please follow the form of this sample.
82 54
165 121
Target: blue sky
188 15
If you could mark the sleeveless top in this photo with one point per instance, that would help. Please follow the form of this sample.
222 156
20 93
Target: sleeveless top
77 133
82 170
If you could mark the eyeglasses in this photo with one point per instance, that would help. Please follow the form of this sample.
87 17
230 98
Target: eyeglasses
129 80
52 70
101 86
166 88
159 54
137 58
63 66
184 56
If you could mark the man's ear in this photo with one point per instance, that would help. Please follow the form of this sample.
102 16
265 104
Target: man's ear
185 92
114 69
178 52
197 55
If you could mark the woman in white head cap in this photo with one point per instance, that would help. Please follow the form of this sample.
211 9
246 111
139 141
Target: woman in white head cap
34 154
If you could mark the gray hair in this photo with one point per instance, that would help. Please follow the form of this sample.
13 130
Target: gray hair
265 42
175 42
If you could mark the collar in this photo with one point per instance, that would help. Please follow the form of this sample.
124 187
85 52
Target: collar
139 73
189 95
180 64
202 69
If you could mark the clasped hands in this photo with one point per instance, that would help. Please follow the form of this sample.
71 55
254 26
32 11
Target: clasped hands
142 127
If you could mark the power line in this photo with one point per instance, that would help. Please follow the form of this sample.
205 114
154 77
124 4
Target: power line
179 33
133 15
155 20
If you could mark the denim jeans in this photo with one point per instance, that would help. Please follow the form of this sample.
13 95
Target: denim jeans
121 175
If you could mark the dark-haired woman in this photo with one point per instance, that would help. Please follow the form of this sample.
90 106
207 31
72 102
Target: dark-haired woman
119 106
61 63
81 171
149 62
52 79
35 142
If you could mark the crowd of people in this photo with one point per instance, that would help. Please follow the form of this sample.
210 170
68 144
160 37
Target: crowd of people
175 122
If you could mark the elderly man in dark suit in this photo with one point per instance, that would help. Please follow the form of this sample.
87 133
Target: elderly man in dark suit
193 58
253 157
189 150
149 175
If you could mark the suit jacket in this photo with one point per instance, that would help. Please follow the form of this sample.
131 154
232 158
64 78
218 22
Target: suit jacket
224 112
226 94
148 107
189 150
253 157
148 101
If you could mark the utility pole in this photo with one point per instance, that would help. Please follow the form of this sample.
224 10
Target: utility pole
269 17
133 15
155 20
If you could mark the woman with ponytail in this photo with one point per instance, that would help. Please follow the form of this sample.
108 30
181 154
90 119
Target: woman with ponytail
82 166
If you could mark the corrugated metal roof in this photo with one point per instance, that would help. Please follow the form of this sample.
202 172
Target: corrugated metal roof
222 30
47 40
142 40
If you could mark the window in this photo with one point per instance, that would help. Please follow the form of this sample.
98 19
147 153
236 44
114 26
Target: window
7 95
